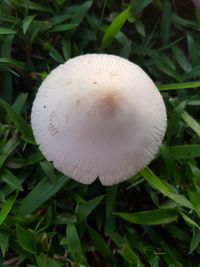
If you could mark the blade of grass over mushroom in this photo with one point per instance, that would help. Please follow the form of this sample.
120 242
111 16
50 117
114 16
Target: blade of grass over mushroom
7 206
191 122
114 28
19 122
164 188
177 86
150 217
43 191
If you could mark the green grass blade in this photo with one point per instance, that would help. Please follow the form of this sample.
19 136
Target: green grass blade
7 206
64 27
27 22
74 243
26 239
9 62
150 217
33 158
189 221
43 191
185 151
165 189
20 102
165 23
48 169
177 86
194 196
86 208
20 123
8 148
114 28
195 241
4 243
171 256
111 193
101 245
130 256
191 122
6 31
45 261
9 178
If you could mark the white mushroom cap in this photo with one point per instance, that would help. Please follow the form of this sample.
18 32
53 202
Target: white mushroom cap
100 116
196 3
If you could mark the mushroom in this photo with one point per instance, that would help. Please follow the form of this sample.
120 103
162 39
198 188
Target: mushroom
98 116
196 4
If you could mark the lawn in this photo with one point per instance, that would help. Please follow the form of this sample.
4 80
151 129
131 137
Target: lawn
48 219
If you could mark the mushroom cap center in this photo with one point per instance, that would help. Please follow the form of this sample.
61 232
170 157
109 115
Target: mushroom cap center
108 103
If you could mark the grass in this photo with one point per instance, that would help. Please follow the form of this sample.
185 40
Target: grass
47 219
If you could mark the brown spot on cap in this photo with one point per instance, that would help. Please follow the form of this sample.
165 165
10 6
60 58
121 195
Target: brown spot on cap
109 103
68 82
78 101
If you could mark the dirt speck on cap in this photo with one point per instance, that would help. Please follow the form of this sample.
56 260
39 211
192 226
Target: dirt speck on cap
53 124
68 82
